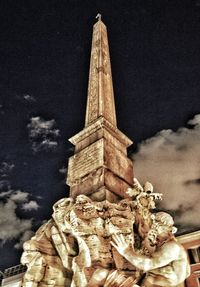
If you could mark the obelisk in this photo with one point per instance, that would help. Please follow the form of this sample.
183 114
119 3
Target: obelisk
100 167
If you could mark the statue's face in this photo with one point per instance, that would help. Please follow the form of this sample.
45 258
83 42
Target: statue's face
82 199
163 225
161 228
84 207
158 232
152 236
162 231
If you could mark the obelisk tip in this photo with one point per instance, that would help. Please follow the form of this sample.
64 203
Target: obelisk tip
98 17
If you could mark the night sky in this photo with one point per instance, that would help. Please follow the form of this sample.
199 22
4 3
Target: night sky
44 66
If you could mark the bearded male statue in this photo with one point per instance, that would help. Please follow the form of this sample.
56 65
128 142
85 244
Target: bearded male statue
168 264
96 244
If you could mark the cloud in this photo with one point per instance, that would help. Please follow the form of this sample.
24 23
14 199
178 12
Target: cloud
5 185
26 98
63 170
43 134
29 98
26 236
6 169
31 205
15 195
19 196
12 227
5 194
193 181
171 161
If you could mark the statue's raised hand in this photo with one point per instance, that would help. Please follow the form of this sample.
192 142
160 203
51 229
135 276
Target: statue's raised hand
119 242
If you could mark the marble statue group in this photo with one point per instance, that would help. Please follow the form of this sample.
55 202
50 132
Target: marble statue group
90 244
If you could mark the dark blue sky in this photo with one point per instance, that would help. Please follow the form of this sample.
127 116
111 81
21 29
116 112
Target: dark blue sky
44 56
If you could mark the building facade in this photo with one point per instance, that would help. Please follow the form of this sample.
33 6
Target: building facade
191 243
12 277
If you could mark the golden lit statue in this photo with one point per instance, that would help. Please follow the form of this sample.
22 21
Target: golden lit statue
93 244
168 264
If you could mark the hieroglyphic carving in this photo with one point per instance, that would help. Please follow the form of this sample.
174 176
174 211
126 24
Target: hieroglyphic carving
86 161
116 169
92 104
100 88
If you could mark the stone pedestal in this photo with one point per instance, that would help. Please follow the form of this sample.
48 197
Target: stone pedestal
100 167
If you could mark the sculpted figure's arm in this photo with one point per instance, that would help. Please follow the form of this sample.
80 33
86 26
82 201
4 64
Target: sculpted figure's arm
166 254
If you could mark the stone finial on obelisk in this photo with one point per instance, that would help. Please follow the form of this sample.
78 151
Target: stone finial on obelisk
100 167
98 16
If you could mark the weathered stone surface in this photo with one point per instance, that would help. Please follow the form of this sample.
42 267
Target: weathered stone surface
102 181
101 128
85 162
118 163
100 100
100 165
116 184
83 167
104 194
89 184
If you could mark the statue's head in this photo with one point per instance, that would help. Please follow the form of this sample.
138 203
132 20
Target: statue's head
163 225
64 203
82 199
164 218
84 206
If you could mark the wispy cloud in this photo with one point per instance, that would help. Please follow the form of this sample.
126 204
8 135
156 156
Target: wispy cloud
26 98
63 170
6 168
5 194
5 185
19 196
11 225
43 134
171 161
29 98
31 205
25 236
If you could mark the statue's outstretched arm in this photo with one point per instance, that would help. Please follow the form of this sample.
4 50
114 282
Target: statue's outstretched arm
166 254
